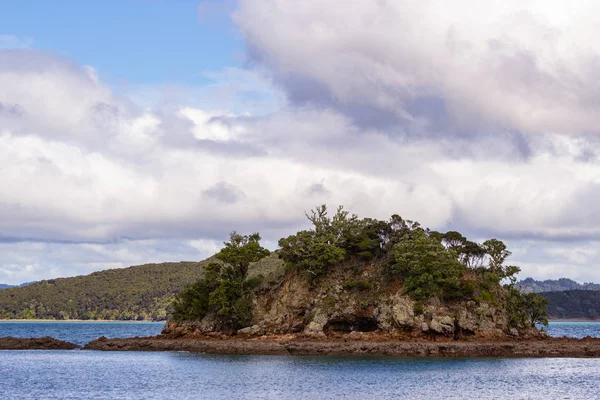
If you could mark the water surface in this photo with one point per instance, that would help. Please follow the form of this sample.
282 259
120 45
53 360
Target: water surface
79 332
77 374
573 329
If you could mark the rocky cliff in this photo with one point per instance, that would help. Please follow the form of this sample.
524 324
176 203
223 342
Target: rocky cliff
356 299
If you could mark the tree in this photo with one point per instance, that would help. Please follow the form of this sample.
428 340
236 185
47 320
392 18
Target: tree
497 252
310 252
427 268
193 303
221 290
526 309
453 240
240 251
536 308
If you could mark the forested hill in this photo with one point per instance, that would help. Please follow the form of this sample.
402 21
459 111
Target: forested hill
530 285
142 292
583 304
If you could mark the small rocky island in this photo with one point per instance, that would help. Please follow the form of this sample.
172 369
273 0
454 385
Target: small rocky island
43 343
360 286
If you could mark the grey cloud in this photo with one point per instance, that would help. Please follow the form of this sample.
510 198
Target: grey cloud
317 190
511 67
224 192
12 110
376 120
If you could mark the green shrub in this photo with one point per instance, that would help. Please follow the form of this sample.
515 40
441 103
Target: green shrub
419 308
427 268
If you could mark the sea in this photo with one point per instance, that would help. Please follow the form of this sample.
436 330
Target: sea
80 374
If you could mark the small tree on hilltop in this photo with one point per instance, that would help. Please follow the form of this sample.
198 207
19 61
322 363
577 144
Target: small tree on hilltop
220 291
240 251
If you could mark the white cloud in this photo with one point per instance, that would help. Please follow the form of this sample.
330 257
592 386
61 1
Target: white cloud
524 65
29 261
475 124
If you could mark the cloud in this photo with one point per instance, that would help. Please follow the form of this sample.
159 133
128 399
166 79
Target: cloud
426 67
28 261
223 192
484 125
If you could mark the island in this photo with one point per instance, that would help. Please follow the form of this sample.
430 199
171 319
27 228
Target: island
43 343
355 286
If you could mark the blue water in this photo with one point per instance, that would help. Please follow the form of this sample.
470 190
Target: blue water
574 329
83 332
79 332
77 374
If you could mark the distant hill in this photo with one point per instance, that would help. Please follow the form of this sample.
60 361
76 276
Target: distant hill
583 304
142 292
5 286
554 285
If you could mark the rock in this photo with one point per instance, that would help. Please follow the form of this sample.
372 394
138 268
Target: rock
318 322
442 324
403 311
467 320
43 343
250 330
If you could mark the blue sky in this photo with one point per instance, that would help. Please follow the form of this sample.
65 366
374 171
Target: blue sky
138 131
136 41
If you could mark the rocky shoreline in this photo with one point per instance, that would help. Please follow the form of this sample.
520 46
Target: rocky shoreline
548 347
43 343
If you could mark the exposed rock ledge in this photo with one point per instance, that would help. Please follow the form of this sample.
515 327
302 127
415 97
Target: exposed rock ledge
43 343
549 347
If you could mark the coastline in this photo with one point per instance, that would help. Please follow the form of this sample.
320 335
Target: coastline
531 348
574 320
76 320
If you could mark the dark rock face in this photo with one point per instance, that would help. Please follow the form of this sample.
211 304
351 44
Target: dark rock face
43 343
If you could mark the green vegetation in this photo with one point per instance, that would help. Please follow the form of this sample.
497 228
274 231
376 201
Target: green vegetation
136 293
428 269
526 309
142 292
223 290
554 285
430 266
573 304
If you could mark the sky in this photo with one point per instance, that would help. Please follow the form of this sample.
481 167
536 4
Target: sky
145 130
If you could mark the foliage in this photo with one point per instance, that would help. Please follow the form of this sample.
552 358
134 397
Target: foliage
223 289
573 304
419 308
194 301
311 252
554 285
332 240
240 251
142 292
427 268
429 264
526 309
